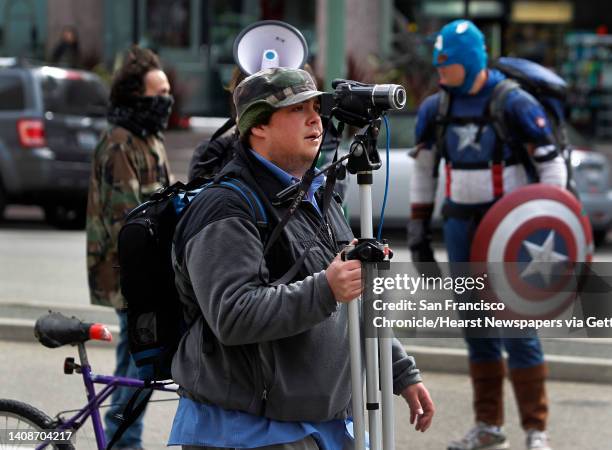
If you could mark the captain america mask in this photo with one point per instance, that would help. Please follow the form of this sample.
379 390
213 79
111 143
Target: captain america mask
461 42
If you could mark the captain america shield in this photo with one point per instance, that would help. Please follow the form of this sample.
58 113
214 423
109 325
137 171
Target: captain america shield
529 241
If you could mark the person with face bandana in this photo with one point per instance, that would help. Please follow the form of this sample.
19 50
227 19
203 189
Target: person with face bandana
129 164
480 169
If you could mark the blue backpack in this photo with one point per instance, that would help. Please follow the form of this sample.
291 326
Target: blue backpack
545 85
155 317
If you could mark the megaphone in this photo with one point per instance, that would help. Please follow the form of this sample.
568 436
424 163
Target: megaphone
270 43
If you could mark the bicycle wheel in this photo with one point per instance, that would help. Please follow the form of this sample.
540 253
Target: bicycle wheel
17 419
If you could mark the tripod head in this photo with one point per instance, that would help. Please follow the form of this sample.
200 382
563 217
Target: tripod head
364 151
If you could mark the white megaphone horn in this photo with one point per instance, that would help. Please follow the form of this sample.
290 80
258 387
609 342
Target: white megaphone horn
269 43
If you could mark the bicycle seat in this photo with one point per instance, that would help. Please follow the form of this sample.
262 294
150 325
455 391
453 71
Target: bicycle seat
54 330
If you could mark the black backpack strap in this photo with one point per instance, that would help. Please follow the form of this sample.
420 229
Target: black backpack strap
229 123
441 127
496 104
328 194
300 190
211 155
496 111
131 412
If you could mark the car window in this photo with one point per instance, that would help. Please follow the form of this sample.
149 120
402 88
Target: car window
74 96
11 92
402 131
576 139
401 126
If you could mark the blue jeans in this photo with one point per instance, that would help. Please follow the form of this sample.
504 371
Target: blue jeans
522 352
132 438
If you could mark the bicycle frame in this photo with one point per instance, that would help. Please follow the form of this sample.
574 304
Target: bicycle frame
95 399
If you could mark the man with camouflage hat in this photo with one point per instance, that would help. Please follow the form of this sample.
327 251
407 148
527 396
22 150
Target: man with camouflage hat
129 164
265 366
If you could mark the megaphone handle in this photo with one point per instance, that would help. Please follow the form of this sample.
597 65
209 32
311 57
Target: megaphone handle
269 59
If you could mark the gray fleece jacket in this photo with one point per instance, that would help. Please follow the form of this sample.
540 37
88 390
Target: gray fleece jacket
279 352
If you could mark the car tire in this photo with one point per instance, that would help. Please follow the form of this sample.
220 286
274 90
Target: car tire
65 217
599 237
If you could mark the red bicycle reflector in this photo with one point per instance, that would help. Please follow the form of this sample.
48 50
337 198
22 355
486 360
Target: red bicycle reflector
99 332
31 133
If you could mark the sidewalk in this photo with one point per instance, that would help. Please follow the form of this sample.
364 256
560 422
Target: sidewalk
577 360
569 359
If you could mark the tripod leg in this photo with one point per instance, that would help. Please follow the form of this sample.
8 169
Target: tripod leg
372 386
356 375
372 361
386 374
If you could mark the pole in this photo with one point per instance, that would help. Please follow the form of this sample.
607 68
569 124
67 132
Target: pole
386 374
356 375
364 158
335 57
371 345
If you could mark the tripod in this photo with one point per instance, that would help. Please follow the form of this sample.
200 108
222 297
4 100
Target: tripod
362 161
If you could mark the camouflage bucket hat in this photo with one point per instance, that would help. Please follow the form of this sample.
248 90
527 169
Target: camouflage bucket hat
269 90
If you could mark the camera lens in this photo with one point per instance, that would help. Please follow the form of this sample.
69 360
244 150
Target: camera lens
389 96
399 97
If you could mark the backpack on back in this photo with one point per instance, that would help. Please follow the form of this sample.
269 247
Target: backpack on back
546 86
155 318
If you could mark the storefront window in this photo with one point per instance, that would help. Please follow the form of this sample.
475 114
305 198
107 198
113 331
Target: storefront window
168 23
542 43
445 9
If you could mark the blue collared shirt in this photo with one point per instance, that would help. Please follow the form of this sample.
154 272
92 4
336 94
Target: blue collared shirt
287 179
202 424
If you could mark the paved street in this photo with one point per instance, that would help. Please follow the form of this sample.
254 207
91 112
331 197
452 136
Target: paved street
45 268
580 413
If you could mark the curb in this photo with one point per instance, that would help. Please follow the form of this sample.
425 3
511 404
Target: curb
434 359
560 367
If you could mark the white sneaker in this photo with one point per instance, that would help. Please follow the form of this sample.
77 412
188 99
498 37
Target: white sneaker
537 440
482 437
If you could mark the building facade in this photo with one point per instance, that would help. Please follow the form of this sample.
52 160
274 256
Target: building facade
383 41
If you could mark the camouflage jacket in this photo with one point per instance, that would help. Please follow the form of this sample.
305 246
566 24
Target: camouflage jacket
126 170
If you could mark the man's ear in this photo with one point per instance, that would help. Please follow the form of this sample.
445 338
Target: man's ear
259 131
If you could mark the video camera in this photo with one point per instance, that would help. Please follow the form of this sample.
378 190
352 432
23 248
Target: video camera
359 104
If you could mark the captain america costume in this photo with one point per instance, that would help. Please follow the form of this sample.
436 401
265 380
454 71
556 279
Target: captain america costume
479 169
470 149
470 183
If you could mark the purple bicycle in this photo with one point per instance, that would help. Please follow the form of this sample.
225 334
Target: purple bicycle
22 426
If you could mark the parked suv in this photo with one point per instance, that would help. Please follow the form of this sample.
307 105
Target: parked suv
50 120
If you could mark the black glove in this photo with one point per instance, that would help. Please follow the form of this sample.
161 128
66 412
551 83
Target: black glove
419 242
